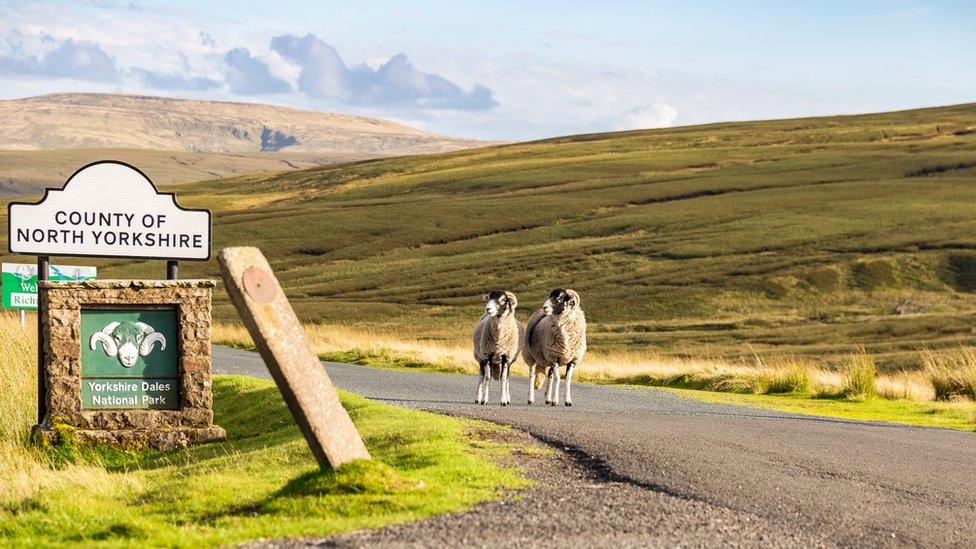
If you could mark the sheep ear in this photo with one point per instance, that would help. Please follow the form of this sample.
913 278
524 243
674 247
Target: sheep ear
485 298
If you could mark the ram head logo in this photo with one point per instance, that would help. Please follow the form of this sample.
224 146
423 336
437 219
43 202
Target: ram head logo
127 340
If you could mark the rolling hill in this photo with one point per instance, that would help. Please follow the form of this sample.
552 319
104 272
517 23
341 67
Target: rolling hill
806 236
45 138
25 172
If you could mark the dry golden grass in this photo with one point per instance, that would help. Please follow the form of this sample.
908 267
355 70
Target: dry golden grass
952 373
780 374
24 471
860 375
329 339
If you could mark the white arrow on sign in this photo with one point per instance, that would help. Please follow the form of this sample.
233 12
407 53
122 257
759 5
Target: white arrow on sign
109 209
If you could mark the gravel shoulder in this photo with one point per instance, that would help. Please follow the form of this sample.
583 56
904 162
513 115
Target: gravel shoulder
579 503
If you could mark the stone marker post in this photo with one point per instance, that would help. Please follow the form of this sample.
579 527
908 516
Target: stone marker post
281 340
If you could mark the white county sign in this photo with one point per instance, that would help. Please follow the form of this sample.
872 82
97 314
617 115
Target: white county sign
109 209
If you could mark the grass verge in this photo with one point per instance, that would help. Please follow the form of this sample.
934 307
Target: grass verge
261 483
946 415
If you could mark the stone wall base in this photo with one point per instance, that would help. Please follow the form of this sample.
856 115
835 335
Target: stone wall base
173 438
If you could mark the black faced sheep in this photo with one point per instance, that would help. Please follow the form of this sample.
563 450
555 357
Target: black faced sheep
497 337
555 337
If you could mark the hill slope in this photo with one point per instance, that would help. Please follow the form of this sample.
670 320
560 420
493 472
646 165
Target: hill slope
803 236
86 121
45 139
25 172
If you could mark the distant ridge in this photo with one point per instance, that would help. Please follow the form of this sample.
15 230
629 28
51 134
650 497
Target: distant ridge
116 121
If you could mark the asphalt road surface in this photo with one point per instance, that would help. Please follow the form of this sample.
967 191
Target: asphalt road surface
681 472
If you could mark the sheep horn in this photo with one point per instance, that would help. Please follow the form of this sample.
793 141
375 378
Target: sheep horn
108 343
146 346
575 296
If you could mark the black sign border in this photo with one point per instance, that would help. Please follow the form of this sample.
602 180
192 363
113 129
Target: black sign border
155 189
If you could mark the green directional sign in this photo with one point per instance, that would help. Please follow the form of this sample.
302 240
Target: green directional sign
18 282
129 359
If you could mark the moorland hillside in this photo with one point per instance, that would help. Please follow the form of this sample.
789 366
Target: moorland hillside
806 236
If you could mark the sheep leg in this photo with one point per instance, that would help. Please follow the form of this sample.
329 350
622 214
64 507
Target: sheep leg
504 368
555 385
481 381
549 386
531 384
486 375
569 383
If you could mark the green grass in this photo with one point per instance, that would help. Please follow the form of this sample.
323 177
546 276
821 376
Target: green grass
32 170
798 237
263 481
390 360
946 415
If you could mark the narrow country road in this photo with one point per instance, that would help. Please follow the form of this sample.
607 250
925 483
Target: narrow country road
756 477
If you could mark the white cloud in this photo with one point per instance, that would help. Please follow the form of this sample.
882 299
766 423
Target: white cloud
248 75
657 115
80 60
397 82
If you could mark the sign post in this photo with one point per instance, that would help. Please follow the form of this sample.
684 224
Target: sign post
42 274
121 361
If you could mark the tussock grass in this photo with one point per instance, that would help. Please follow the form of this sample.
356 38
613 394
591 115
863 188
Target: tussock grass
762 375
369 347
948 415
784 375
904 385
860 375
952 373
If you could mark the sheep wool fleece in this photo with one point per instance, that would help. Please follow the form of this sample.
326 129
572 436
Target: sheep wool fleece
498 336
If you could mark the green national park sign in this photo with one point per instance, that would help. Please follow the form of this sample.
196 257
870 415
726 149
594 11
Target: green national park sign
129 359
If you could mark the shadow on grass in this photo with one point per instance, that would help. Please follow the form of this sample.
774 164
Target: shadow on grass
361 483
356 477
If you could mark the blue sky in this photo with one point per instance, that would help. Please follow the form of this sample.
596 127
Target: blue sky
504 70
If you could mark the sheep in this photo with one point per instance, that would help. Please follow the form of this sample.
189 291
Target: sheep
497 338
128 340
555 336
